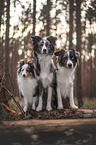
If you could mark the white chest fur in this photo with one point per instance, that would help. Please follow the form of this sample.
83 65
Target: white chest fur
65 78
27 86
45 75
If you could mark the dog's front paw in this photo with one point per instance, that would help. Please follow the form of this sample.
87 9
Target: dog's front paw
74 107
48 108
33 107
39 108
25 108
60 107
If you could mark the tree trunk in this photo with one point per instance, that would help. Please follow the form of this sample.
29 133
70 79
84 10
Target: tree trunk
48 17
1 11
56 18
34 16
71 11
90 65
78 47
7 44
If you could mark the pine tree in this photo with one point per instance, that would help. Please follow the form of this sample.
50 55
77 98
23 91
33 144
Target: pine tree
34 16
78 47
7 44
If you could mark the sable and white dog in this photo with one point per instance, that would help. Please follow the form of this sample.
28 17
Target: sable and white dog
67 62
43 50
27 83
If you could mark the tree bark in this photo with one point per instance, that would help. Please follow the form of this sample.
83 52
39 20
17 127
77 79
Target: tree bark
71 11
7 45
34 16
1 11
48 17
78 47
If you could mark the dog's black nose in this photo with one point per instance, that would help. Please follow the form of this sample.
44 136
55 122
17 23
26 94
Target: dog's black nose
70 65
44 50
24 75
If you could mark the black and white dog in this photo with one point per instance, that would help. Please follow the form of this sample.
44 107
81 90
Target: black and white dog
67 62
43 50
27 83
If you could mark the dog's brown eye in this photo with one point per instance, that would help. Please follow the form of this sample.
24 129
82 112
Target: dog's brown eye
65 57
72 57
46 43
41 44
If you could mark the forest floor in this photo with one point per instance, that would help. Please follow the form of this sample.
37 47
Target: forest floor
57 127
48 132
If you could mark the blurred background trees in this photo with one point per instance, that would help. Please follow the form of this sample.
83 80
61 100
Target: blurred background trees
73 22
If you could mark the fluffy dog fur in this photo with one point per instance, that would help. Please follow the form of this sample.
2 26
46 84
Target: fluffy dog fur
27 83
67 62
43 50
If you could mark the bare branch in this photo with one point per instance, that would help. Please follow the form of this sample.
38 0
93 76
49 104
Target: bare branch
12 96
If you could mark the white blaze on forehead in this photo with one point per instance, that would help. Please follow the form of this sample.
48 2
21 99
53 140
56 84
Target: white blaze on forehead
69 61
67 53
44 46
24 67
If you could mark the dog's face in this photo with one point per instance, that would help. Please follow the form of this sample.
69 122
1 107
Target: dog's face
25 69
44 46
67 58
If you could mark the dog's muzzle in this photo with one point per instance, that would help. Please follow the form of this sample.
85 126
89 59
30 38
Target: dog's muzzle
70 65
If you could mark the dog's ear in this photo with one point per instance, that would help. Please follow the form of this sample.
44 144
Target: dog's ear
36 39
77 54
21 63
58 53
52 39
31 62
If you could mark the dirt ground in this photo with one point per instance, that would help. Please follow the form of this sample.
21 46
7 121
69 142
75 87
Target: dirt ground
48 132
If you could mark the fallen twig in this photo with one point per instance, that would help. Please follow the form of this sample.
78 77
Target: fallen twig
12 96
12 111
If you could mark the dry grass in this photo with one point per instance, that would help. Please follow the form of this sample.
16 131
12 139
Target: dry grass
13 105
89 103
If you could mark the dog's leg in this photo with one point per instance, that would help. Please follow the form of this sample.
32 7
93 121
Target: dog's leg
40 103
71 98
49 99
25 104
34 102
60 105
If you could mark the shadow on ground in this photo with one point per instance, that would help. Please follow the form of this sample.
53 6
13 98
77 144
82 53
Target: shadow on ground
52 132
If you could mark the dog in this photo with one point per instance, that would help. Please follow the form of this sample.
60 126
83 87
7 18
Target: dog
67 63
43 51
27 83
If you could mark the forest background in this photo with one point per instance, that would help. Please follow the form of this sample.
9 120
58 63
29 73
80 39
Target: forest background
73 22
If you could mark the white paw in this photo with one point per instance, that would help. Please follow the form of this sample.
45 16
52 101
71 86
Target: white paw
48 108
33 107
60 107
74 107
25 108
39 108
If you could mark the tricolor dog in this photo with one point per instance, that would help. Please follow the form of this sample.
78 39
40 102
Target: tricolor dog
67 62
43 50
27 83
